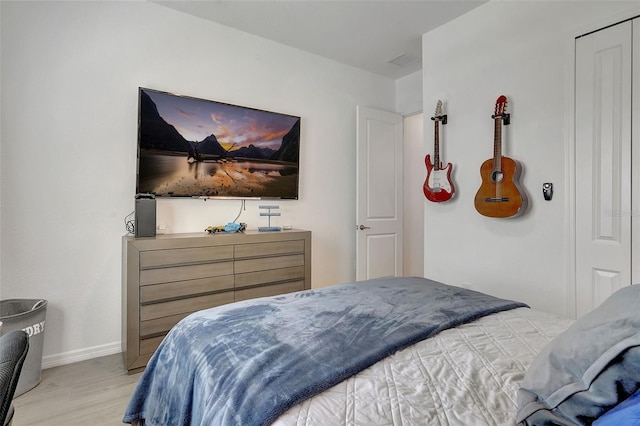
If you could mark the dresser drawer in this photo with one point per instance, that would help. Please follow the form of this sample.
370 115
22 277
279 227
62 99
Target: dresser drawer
268 290
272 276
160 326
268 263
185 273
269 249
182 256
182 289
149 346
192 304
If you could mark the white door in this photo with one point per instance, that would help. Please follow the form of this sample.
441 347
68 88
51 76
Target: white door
378 194
603 165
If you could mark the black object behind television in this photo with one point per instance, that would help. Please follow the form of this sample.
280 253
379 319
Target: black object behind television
190 147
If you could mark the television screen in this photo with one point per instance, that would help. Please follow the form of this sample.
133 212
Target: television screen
190 147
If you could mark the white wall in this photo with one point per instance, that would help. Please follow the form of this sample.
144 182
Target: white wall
409 94
522 50
70 73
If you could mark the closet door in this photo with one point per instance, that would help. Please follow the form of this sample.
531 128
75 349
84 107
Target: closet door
603 164
635 156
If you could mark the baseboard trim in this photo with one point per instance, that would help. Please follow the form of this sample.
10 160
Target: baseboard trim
57 360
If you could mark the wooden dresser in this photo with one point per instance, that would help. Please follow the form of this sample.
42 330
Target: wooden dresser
165 278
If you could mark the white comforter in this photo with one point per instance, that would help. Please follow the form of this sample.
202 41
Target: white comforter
464 376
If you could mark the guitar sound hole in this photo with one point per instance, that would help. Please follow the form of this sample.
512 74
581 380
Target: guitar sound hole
497 176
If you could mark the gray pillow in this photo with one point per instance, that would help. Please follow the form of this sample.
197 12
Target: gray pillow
588 369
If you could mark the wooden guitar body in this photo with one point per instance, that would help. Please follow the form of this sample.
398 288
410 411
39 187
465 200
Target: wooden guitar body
499 194
438 186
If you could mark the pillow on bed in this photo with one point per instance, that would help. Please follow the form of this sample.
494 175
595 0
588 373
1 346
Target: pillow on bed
587 370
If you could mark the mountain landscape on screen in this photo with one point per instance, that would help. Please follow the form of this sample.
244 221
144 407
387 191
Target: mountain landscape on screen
190 147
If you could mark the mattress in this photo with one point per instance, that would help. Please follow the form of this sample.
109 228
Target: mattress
468 375
386 351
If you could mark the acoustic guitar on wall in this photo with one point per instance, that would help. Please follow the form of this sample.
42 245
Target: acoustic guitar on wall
438 186
500 194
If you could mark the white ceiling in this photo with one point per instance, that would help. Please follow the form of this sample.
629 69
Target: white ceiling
366 34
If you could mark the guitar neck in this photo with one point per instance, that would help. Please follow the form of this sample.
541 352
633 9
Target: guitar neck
497 144
436 145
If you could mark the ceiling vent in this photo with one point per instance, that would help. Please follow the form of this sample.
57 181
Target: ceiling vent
404 60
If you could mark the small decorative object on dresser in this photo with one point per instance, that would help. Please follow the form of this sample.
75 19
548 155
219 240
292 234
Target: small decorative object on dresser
269 214
171 276
229 227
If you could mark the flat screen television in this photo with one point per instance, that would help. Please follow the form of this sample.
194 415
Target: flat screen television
191 147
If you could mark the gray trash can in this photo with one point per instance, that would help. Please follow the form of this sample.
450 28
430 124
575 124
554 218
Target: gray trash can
28 315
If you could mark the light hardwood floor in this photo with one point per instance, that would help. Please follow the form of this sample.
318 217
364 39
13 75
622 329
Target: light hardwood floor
93 392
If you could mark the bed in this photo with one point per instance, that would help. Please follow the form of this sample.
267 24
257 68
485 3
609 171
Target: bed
399 351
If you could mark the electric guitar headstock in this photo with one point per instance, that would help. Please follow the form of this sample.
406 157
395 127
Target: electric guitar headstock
438 115
438 112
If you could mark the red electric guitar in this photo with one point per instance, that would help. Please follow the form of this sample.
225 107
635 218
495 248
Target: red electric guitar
438 186
500 194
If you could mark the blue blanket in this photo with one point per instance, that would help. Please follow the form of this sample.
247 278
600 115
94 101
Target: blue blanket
248 362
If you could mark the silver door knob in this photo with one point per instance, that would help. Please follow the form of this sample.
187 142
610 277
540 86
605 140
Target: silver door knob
362 227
